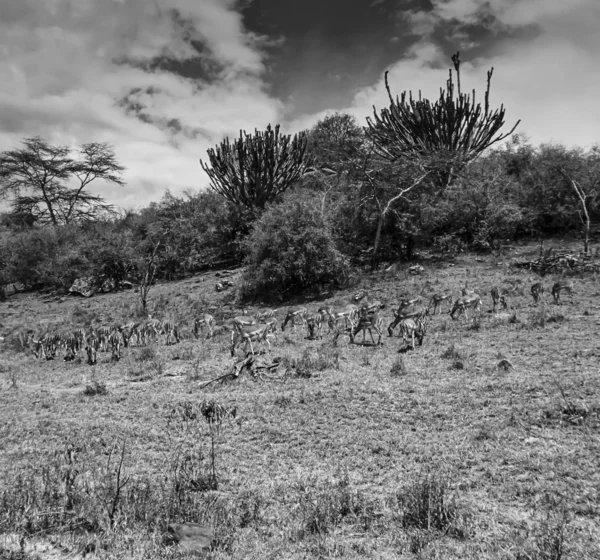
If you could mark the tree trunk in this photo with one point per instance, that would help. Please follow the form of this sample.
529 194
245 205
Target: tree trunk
377 241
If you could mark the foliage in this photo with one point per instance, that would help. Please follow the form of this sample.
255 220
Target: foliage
290 250
255 169
38 178
444 136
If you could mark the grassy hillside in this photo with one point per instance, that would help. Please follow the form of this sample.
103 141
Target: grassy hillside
482 443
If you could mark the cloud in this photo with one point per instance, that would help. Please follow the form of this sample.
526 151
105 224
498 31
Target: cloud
160 81
544 53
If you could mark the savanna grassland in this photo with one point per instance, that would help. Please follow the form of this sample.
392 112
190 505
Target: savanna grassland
482 443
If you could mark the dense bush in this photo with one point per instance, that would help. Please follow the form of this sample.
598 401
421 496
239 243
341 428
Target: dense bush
291 251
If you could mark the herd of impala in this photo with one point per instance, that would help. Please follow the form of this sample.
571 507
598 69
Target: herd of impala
360 315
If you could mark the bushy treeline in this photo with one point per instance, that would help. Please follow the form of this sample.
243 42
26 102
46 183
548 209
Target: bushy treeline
354 207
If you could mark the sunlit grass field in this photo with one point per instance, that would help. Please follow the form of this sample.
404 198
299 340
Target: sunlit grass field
482 443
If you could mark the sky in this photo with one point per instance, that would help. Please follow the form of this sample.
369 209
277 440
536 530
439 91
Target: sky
162 81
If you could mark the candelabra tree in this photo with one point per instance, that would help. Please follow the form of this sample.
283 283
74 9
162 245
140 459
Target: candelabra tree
255 169
445 136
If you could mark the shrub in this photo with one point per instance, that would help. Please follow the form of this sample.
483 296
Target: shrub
291 250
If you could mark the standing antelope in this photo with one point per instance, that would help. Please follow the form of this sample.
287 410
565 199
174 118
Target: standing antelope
562 286
412 311
207 321
498 298
410 328
537 291
437 299
293 316
314 325
247 334
368 321
465 302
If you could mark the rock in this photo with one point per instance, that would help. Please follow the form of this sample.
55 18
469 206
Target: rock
85 287
416 270
191 537
108 285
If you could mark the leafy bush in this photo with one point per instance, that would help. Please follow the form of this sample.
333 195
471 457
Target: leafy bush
290 251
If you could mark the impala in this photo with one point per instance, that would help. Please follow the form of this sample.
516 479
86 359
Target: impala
293 316
171 330
412 311
242 321
314 324
437 300
537 291
498 298
371 322
412 327
271 323
92 343
562 286
114 343
266 314
207 321
247 334
465 302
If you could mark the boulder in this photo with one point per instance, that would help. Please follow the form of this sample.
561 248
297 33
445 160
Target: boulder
191 537
86 287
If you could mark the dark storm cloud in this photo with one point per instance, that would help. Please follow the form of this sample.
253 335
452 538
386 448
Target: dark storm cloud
330 48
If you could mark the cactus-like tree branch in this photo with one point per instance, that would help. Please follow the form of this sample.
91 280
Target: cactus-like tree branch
255 169
450 133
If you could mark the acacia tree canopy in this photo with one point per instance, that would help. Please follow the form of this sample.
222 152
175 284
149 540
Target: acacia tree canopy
49 185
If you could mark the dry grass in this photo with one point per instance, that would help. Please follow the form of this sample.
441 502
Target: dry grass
481 444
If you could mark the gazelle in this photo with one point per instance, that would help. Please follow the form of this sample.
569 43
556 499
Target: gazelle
465 302
247 334
412 311
562 286
293 316
537 291
411 328
437 299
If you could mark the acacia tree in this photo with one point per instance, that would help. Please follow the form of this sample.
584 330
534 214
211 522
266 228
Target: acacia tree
255 169
443 137
49 185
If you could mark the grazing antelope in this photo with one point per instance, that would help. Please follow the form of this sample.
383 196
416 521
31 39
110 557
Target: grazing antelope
562 286
207 321
293 316
368 321
266 314
412 311
171 330
271 323
537 291
247 334
498 298
114 343
130 333
411 328
241 321
465 302
314 324
92 344
437 299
